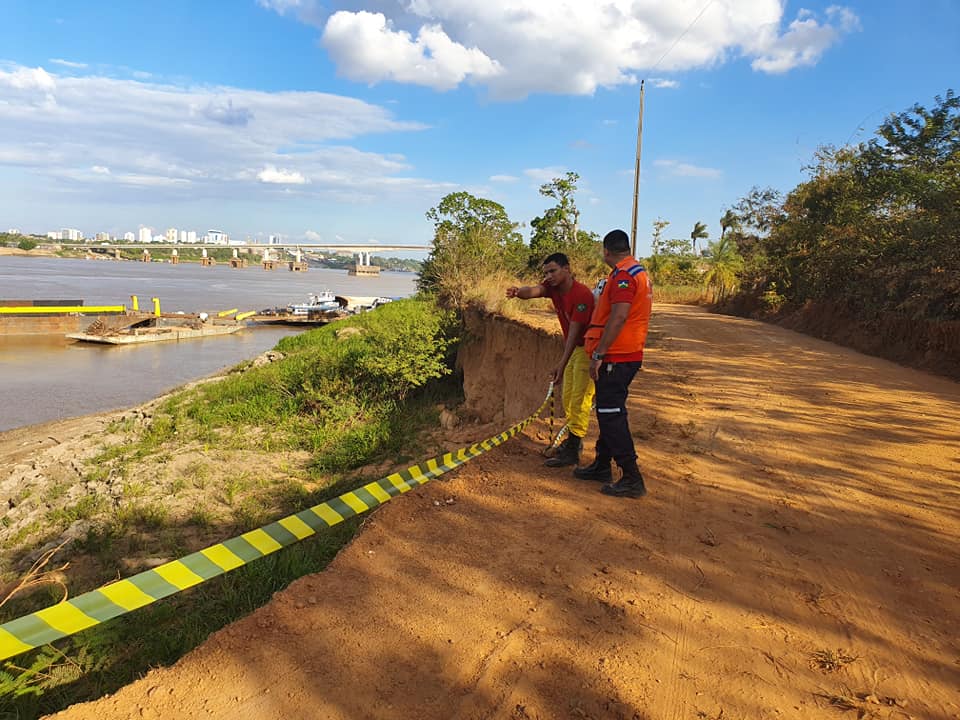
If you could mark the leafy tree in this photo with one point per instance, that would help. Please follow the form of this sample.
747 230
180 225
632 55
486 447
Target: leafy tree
473 238
27 244
557 230
672 261
656 263
875 230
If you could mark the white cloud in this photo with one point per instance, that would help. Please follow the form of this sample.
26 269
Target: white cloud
23 78
313 236
682 169
545 174
367 48
307 11
112 139
503 178
517 47
664 83
805 41
68 63
276 176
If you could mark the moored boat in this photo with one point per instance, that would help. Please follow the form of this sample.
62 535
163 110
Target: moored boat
322 302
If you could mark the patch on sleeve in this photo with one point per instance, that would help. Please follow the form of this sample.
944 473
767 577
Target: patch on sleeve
581 307
623 284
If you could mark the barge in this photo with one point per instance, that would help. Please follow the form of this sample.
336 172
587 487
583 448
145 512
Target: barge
55 317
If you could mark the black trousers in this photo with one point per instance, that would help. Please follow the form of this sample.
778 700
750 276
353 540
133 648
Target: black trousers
615 440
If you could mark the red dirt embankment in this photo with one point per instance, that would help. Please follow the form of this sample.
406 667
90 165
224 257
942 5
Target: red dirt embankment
796 557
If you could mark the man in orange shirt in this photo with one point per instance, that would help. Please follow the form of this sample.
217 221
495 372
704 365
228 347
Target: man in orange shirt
573 302
614 340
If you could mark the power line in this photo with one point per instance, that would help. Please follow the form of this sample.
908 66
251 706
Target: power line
682 35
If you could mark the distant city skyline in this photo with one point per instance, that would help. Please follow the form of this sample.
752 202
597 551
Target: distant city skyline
346 121
174 236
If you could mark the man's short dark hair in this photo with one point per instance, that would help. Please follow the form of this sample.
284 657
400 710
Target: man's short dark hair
617 241
559 258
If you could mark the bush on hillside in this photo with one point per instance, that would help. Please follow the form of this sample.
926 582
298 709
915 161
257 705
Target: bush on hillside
340 390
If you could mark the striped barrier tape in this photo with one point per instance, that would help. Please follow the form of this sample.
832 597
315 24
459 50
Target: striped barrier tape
118 598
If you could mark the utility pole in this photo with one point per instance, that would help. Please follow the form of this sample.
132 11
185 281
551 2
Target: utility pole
636 177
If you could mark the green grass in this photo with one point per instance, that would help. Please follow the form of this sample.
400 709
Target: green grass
349 402
85 508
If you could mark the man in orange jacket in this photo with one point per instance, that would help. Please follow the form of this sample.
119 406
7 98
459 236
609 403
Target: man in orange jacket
614 341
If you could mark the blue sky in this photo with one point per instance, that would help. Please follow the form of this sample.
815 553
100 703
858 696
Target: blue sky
345 121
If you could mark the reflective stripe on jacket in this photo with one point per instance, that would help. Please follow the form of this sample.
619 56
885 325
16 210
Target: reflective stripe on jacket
628 345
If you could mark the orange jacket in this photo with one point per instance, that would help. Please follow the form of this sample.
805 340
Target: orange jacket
627 282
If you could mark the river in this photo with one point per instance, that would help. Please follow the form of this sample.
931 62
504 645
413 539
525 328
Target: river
46 378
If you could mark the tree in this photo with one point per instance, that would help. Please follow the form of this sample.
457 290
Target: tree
699 232
873 231
27 244
659 225
729 221
672 261
724 264
473 238
558 230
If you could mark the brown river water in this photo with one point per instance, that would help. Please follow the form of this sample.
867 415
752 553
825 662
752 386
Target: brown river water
46 378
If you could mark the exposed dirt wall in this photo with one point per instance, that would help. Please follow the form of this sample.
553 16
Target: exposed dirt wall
925 344
506 365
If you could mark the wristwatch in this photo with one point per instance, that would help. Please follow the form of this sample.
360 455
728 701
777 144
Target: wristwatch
596 356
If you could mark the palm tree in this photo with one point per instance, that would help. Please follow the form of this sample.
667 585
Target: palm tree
729 221
699 232
724 263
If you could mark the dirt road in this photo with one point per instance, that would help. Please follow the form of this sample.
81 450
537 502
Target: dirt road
796 558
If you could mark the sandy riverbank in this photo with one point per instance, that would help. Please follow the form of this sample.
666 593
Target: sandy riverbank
36 252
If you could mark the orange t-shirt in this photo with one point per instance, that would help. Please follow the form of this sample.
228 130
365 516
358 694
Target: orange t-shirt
575 305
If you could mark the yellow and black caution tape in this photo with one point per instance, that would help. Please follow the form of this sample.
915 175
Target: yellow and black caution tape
123 596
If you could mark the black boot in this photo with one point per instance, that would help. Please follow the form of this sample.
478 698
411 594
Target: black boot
630 485
598 470
567 454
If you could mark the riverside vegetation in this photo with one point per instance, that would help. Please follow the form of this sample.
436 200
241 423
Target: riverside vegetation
339 406
866 252
871 238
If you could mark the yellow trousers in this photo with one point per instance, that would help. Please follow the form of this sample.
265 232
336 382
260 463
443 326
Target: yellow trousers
578 391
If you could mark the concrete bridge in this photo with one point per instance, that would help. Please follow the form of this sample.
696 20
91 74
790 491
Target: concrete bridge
303 247
270 262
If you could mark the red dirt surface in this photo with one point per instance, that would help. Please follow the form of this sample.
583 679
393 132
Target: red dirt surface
796 557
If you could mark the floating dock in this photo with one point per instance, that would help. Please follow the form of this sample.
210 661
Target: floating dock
134 336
